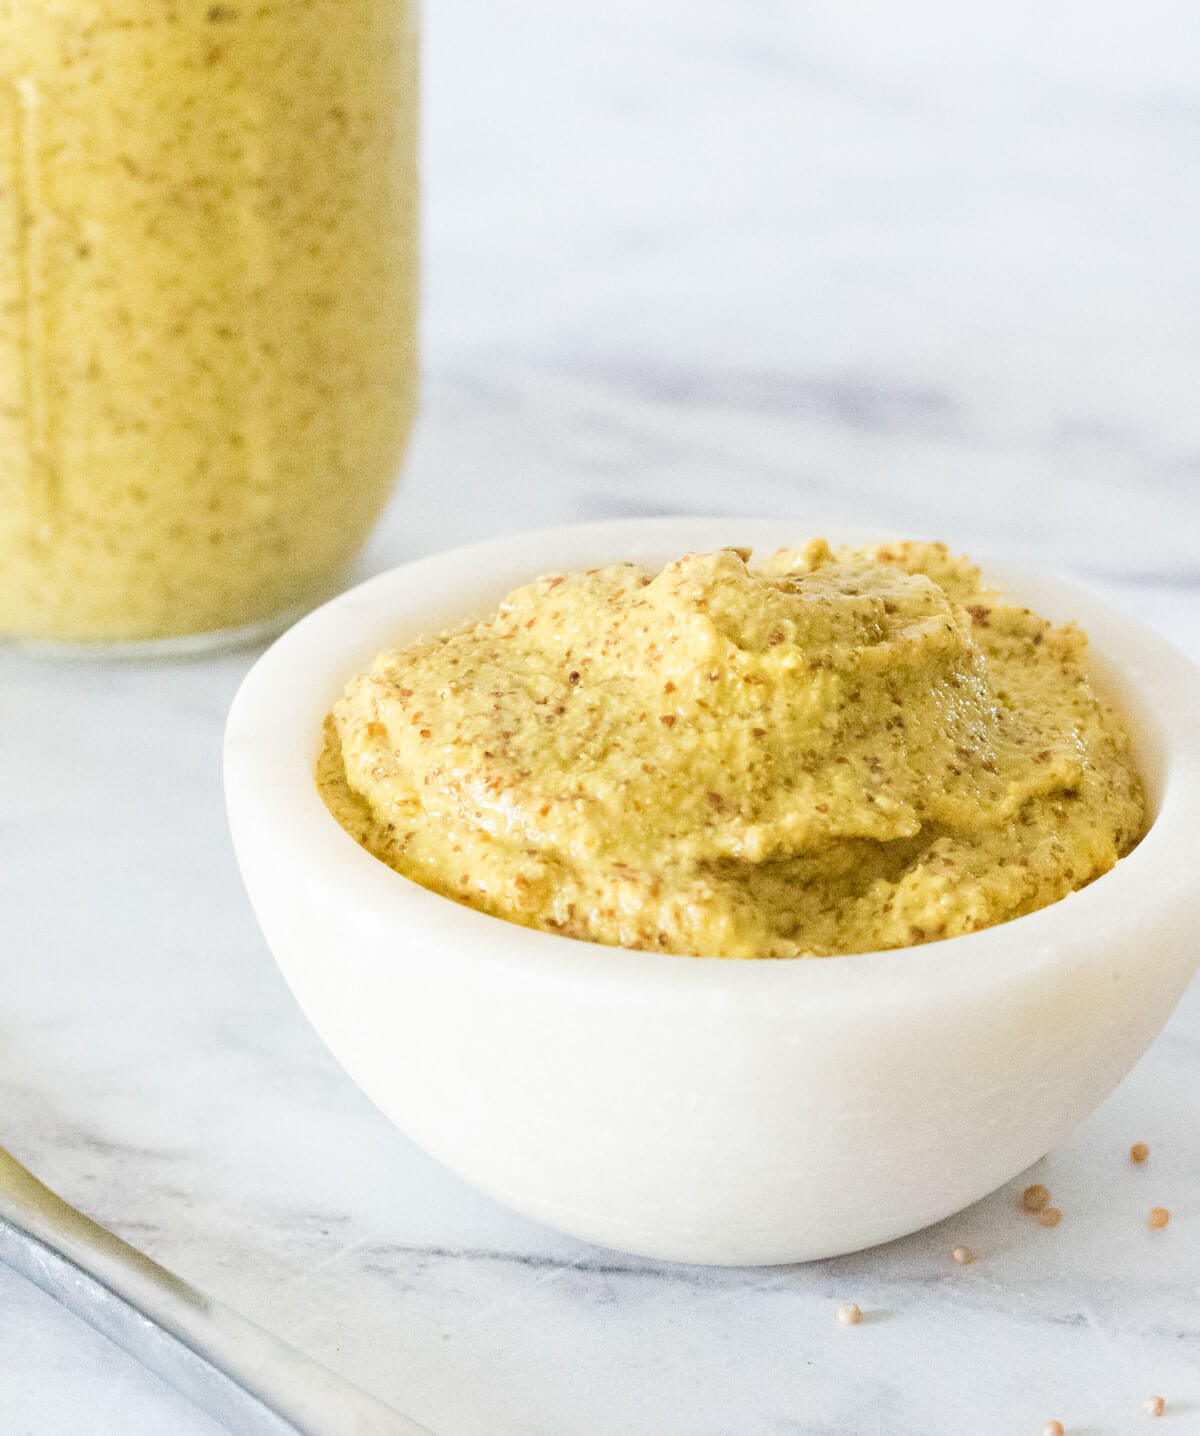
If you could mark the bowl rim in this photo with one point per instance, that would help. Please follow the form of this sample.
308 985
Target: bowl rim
272 799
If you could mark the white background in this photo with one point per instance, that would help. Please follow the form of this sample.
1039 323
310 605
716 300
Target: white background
927 266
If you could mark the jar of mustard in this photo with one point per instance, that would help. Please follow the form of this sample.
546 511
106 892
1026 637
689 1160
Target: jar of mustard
207 308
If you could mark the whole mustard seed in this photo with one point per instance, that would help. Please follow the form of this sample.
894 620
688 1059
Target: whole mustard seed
1053 1428
964 1256
1139 1152
1154 1406
1034 1198
849 1313
1158 1218
1049 1217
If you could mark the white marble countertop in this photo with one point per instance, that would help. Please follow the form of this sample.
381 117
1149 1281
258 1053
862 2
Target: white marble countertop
919 267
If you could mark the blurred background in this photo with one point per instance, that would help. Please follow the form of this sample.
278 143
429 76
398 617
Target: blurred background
929 267
922 267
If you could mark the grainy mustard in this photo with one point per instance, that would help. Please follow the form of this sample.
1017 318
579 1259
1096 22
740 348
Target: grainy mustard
833 753
207 304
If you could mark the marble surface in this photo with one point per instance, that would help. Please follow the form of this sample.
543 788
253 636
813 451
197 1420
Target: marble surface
910 266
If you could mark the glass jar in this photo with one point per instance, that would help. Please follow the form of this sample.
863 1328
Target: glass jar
208 220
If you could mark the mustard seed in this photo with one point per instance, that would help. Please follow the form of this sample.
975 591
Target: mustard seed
1053 1428
1159 1217
1139 1152
1034 1198
1154 1406
850 1314
1049 1217
964 1256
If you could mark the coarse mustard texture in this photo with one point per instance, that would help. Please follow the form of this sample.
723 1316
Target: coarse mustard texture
838 751
208 249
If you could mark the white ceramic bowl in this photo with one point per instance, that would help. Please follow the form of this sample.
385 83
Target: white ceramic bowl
696 1109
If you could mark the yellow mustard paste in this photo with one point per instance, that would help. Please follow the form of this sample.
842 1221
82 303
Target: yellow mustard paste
207 305
839 751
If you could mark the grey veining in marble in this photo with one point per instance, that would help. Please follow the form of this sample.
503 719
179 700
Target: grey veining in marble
924 267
